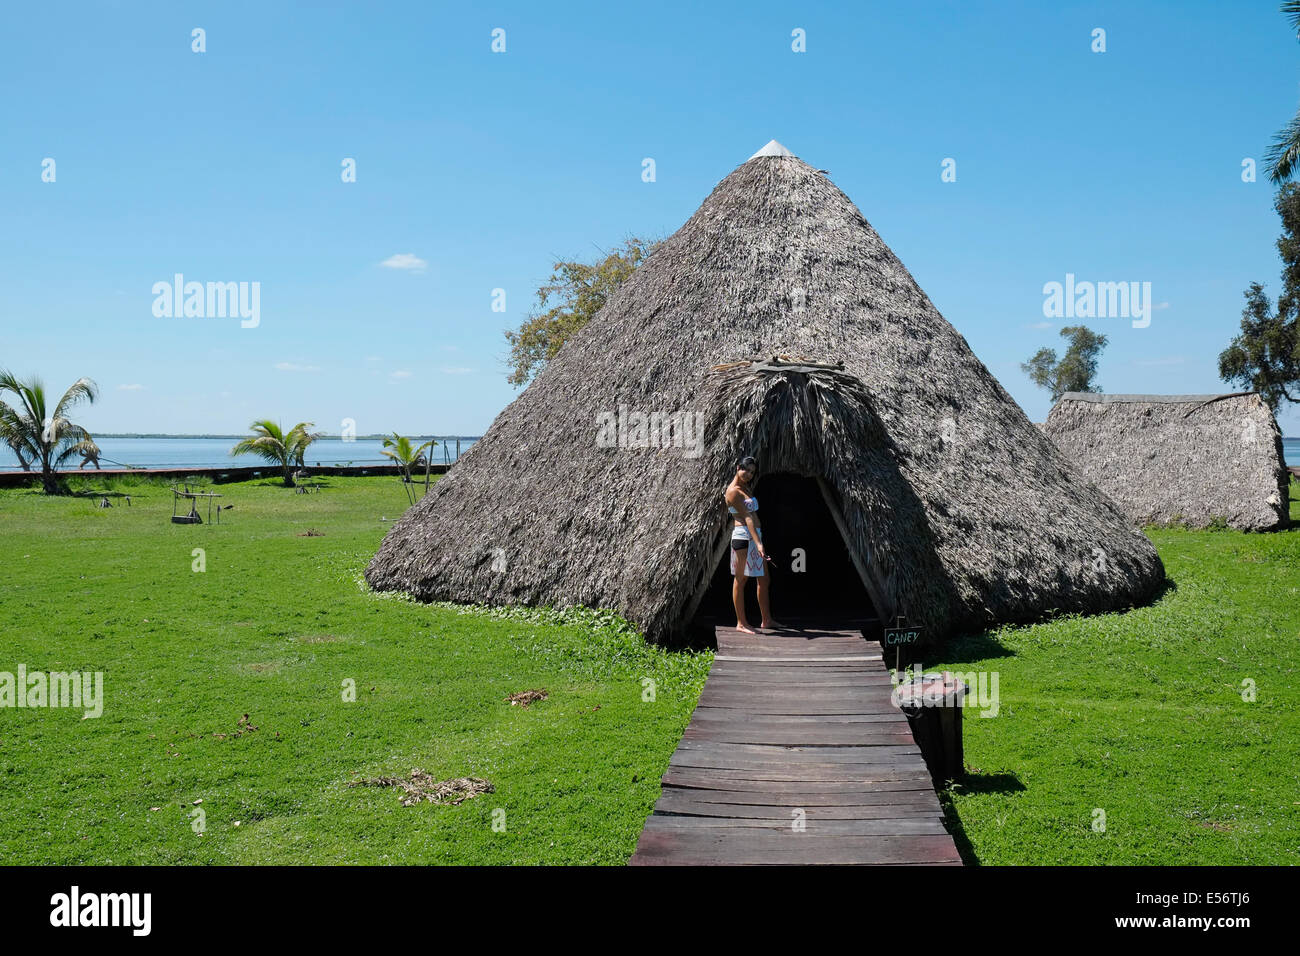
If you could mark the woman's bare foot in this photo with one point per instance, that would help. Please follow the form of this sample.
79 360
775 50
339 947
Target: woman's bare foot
745 629
772 625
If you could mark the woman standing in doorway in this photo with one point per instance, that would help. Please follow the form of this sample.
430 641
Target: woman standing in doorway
748 559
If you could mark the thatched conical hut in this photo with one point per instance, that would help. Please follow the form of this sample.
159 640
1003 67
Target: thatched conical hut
1178 459
892 462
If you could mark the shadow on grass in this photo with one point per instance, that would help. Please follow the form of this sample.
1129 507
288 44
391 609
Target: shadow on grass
141 491
26 491
985 645
973 783
967 648
312 484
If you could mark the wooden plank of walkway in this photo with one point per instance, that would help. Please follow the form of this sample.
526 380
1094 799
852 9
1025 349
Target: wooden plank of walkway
796 729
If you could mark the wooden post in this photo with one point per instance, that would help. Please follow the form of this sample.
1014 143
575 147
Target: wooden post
950 735
898 650
936 725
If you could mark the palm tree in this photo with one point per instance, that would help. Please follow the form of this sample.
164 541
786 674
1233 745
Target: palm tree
39 433
1283 157
403 454
270 442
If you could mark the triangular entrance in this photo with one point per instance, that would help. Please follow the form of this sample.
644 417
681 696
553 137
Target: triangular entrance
813 578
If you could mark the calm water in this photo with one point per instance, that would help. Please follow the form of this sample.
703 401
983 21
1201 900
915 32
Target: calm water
215 453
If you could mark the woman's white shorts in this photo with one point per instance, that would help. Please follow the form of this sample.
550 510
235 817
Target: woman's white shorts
753 560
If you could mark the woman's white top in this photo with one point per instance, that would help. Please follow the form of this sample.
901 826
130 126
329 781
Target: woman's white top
741 531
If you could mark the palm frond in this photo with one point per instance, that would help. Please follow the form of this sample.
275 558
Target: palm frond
263 446
77 442
1291 8
83 389
299 440
9 381
1283 155
31 394
17 432
267 442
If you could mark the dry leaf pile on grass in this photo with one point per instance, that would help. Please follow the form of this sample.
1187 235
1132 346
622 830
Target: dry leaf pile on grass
422 788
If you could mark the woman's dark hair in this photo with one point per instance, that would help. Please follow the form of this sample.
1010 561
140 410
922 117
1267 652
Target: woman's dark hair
747 464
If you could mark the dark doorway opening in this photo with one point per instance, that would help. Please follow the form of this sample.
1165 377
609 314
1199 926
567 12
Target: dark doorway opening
814 582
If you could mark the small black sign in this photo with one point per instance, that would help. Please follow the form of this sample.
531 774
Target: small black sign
902 636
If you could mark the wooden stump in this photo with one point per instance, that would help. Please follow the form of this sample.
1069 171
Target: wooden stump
933 706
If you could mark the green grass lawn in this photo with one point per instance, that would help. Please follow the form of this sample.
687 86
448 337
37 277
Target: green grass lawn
272 628
1139 714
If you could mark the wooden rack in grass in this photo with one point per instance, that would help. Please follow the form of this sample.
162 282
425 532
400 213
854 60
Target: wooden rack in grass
183 493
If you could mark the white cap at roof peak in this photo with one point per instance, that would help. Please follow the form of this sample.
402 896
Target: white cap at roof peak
773 148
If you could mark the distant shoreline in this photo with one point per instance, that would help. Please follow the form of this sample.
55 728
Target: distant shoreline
152 451
322 438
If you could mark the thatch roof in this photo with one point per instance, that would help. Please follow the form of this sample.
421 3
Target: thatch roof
1178 459
960 511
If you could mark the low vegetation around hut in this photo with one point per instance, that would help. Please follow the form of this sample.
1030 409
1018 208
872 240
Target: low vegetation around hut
227 737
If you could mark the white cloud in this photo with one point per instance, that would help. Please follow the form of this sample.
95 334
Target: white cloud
400 373
295 367
1160 306
454 370
405 260
130 388
1041 325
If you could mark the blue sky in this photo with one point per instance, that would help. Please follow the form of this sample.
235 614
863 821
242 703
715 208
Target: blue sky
225 166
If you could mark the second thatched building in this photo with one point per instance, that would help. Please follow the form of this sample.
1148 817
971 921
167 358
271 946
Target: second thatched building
1193 460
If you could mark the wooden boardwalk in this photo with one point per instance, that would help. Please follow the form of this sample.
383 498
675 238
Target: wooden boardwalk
796 728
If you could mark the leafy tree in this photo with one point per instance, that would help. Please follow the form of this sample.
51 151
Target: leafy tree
403 454
1283 156
1265 357
271 443
38 433
1073 372
575 292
